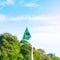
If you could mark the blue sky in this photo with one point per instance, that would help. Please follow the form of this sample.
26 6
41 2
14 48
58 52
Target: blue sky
42 17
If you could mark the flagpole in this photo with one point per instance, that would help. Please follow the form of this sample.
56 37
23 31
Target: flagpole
26 37
31 51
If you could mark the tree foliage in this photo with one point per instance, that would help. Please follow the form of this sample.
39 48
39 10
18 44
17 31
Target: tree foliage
12 49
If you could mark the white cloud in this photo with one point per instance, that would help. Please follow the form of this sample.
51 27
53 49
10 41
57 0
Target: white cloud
2 17
6 2
50 20
31 5
46 37
9 2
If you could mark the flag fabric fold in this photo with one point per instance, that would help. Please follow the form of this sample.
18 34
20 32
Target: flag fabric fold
26 35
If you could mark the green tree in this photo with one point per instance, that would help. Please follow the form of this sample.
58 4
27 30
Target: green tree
10 47
25 50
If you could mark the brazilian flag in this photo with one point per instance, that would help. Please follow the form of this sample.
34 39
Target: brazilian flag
26 35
